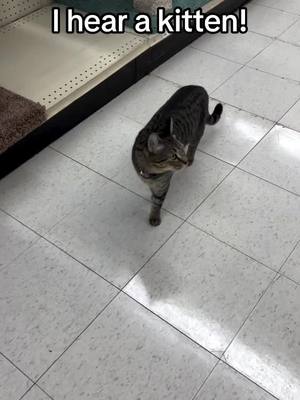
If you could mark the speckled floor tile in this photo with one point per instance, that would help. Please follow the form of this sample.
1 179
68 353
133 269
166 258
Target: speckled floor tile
201 286
267 349
254 216
46 300
129 354
36 394
285 66
292 35
193 67
111 233
13 384
227 384
277 159
14 239
45 189
237 47
292 118
292 266
291 6
143 99
189 187
103 142
259 93
234 135
268 21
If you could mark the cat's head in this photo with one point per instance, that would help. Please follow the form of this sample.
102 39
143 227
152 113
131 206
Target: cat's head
166 152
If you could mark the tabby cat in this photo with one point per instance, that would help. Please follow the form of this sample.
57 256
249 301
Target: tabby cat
169 141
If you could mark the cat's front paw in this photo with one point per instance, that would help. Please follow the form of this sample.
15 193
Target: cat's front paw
154 221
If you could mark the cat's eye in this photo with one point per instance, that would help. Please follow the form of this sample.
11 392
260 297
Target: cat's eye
173 157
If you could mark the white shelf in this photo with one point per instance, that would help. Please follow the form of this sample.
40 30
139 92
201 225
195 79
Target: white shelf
54 70
11 10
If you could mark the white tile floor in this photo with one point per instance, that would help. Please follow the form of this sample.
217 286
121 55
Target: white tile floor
96 304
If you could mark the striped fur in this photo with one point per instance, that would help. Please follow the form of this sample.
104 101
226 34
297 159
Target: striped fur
169 141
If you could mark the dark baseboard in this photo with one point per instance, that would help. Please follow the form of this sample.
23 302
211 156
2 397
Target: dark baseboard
100 95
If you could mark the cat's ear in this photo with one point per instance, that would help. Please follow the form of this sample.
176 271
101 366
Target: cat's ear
155 144
186 148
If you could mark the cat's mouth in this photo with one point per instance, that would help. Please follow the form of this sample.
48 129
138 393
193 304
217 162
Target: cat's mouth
180 166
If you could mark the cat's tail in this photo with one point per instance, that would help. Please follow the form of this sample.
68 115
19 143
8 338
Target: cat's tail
216 115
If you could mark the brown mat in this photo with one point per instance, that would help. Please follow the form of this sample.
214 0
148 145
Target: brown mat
18 117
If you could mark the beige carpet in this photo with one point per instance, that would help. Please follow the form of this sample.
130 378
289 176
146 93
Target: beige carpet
18 117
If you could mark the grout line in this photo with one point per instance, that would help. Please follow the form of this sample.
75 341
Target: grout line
284 262
111 180
76 338
43 390
19 369
141 305
199 150
266 180
219 358
254 147
229 164
244 65
226 80
241 109
46 239
297 101
183 220
205 380
273 280
180 85
220 362
4 266
249 379
232 247
195 343
276 271
282 125
282 275
274 8
32 387
121 291
27 391
190 339
214 54
211 97
272 41
152 255
263 34
286 41
152 73
209 194
273 74
81 263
